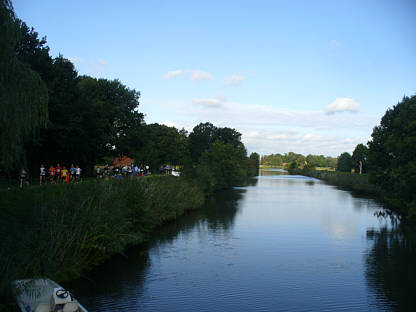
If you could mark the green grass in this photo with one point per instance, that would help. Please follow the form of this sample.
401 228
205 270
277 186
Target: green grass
59 231
353 181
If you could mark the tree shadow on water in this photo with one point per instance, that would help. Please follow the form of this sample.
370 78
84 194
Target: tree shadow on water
122 278
390 266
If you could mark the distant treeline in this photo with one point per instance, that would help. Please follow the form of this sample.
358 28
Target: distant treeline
298 160
49 114
387 162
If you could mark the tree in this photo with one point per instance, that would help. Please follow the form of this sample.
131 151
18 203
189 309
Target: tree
225 163
205 134
359 158
34 51
391 156
253 164
201 138
163 145
331 162
63 139
344 162
23 95
111 116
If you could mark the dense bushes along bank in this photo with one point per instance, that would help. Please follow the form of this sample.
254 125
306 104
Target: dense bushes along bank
60 230
355 182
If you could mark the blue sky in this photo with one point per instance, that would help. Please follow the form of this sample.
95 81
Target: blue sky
304 76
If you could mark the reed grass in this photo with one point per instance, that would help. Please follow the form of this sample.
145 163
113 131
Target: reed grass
58 231
353 181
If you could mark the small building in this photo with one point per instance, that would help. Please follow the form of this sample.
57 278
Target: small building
122 161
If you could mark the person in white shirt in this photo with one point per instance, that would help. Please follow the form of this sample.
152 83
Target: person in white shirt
78 173
42 177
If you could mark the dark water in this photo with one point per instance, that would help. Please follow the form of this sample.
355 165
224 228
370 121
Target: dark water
284 243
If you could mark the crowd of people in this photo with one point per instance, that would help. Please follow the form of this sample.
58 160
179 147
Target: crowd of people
60 174
122 171
54 174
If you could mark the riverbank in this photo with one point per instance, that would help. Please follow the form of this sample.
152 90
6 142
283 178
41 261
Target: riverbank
59 231
351 181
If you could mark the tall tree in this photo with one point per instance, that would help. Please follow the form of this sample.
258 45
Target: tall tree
344 162
205 134
62 141
201 138
163 145
23 95
359 158
392 156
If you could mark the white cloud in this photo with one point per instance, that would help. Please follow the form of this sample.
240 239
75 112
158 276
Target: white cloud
283 141
171 123
208 102
198 75
269 129
334 43
233 80
76 59
98 67
343 105
172 74
102 62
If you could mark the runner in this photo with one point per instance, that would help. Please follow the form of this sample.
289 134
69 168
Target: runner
78 173
72 172
98 172
42 177
106 170
58 173
23 175
51 172
65 175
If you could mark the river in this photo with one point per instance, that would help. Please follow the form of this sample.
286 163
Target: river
282 243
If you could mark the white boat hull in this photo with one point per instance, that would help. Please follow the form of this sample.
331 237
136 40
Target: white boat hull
34 295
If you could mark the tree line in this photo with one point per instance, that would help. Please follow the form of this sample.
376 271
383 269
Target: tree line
389 158
50 114
298 160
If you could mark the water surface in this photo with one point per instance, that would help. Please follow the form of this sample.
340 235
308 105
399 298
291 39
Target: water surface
283 243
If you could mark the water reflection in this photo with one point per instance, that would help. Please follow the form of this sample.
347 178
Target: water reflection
272 171
281 243
115 285
391 267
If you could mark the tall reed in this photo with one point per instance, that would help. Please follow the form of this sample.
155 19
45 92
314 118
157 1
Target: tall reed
57 231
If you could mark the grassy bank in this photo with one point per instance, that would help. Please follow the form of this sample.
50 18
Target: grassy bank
352 181
59 231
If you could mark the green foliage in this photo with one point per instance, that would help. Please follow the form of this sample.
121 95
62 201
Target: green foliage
60 230
226 163
359 158
311 160
309 167
23 95
90 119
391 156
316 161
293 165
253 164
344 162
352 181
205 134
222 161
163 145
272 160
